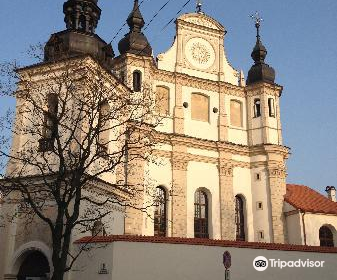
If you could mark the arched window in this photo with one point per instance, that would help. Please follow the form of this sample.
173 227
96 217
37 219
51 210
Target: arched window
257 108
236 113
162 100
50 117
82 23
200 107
239 218
34 266
49 131
160 212
326 237
200 215
103 126
137 80
271 107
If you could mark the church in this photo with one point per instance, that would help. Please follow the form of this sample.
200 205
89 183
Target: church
222 172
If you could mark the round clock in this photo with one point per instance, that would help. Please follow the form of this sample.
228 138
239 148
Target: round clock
199 53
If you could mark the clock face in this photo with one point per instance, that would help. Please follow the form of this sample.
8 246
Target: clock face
199 53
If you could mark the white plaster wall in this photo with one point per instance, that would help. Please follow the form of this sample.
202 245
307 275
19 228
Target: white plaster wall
201 129
313 222
167 60
295 229
260 193
203 176
242 186
273 136
150 261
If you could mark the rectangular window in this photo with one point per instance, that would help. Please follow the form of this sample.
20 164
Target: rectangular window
259 205
200 107
236 113
271 107
257 108
260 235
162 100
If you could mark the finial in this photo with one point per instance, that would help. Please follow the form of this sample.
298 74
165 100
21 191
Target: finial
257 19
260 71
199 6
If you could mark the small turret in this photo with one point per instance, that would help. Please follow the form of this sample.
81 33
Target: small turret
135 41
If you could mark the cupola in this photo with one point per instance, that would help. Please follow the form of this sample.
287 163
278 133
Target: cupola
135 41
79 38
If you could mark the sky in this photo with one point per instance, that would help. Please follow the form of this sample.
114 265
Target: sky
300 37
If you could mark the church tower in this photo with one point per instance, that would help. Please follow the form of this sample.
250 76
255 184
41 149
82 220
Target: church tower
264 128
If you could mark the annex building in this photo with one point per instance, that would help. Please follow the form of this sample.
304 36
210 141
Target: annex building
221 181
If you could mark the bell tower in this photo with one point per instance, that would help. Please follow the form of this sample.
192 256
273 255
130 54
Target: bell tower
79 38
135 60
264 130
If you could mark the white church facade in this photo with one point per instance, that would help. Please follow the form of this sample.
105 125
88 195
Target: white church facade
220 164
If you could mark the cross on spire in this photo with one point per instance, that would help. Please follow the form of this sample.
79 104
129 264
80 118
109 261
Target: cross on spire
199 6
257 19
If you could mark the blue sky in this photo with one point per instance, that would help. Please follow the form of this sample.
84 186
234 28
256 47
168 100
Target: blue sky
300 37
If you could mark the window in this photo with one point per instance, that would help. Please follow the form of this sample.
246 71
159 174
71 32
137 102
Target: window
160 212
271 107
200 215
259 205
239 218
162 100
137 80
103 126
49 132
200 107
325 237
82 23
122 76
257 108
258 176
260 235
236 113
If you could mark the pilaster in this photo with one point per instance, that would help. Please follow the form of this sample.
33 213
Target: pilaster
134 216
223 118
227 206
179 190
178 111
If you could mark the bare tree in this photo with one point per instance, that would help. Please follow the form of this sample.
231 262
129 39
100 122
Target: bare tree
78 138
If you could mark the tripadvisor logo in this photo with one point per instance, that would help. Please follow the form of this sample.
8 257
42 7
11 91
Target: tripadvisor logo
261 263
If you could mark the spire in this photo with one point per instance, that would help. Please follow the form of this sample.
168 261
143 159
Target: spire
81 15
135 19
135 41
260 71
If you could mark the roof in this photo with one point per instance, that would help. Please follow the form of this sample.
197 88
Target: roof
306 199
205 242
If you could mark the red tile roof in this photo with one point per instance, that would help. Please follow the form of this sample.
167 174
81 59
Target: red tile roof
205 242
306 199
